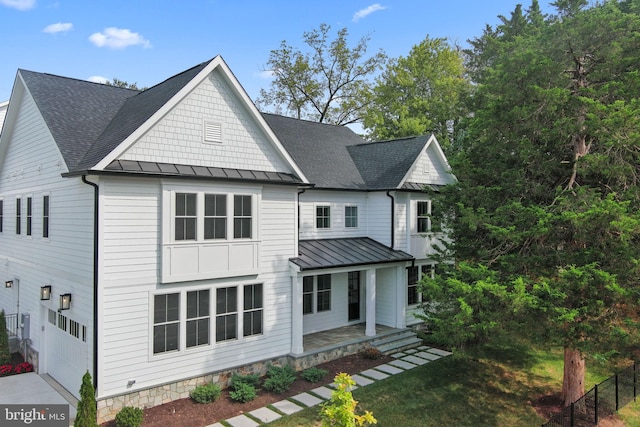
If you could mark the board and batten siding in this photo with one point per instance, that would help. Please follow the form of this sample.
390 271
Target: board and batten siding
32 167
244 145
131 243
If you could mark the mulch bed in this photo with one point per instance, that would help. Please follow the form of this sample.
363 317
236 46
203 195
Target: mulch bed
187 413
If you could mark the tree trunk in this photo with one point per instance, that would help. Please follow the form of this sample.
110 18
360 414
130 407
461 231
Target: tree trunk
573 381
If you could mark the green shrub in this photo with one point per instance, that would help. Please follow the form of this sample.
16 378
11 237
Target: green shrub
251 379
313 375
243 392
279 378
129 417
86 414
5 354
205 393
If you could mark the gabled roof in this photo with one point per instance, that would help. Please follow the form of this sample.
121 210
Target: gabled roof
348 252
335 157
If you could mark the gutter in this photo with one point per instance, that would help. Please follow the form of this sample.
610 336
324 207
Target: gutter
95 279
393 219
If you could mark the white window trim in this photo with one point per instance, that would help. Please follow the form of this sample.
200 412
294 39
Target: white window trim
47 194
351 205
315 216
414 216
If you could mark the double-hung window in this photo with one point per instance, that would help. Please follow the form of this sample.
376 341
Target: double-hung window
186 216
414 275
45 216
197 318
18 215
316 294
307 295
166 322
29 214
253 308
351 216
242 217
226 314
323 217
323 299
423 216
215 216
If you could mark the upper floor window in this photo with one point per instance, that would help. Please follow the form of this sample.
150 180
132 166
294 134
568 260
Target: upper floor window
18 215
242 217
215 216
186 216
45 216
423 216
202 216
323 216
351 216
29 214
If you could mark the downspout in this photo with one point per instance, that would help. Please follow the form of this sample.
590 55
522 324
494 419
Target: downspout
393 219
95 279
298 207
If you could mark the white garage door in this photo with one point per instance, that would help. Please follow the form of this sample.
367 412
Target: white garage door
66 351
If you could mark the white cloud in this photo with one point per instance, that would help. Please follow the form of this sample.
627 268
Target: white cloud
98 79
118 38
363 13
58 28
19 4
265 74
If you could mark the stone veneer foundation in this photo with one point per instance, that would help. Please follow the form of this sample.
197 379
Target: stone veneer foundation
110 406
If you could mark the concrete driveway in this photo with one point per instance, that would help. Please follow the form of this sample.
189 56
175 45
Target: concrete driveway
33 389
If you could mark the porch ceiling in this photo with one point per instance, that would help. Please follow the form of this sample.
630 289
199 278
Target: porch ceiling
332 253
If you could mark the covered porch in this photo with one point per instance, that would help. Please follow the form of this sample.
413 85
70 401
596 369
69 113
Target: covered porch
346 292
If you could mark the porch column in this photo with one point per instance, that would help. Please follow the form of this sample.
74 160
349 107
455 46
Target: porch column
370 329
297 346
401 297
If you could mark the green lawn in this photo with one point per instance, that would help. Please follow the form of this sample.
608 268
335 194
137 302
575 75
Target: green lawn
492 387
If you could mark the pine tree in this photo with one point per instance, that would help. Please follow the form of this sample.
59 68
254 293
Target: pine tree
5 354
86 414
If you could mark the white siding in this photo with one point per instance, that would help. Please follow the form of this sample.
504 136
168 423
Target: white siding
379 214
131 276
179 136
32 168
430 169
338 315
386 296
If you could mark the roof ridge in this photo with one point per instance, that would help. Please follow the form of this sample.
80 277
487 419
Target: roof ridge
78 80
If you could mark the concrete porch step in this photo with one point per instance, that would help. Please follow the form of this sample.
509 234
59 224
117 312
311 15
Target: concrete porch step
397 342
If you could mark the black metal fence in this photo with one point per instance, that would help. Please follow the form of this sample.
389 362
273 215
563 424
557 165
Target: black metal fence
601 401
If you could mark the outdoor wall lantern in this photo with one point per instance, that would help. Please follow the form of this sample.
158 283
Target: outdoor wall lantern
45 293
65 301
8 284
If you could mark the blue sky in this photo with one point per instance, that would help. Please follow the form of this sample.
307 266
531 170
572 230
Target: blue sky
147 41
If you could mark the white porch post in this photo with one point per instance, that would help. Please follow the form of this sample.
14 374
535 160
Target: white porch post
401 297
370 329
297 346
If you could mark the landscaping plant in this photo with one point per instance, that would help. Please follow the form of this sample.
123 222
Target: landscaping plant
205 393
86 414
243 392
129 417
340 411
279 378
314 375
5 354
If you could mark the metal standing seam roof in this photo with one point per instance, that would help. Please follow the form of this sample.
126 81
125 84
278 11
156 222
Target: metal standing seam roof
345 252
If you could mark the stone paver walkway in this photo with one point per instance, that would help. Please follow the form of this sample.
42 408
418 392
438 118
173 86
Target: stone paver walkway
405 360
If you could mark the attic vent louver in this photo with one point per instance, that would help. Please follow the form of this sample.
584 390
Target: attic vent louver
212 132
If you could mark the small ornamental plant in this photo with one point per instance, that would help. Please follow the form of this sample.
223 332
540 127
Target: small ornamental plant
206 393
243 392
279 378
129 417
87 415
314 375
340 411
20 368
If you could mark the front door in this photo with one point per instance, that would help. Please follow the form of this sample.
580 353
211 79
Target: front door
354 295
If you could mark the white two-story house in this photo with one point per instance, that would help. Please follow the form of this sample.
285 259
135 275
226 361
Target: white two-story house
163 238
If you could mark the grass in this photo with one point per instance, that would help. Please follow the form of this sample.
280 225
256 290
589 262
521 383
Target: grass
489 387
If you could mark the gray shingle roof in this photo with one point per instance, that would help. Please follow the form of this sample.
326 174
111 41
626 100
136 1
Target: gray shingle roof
336 157
347 252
